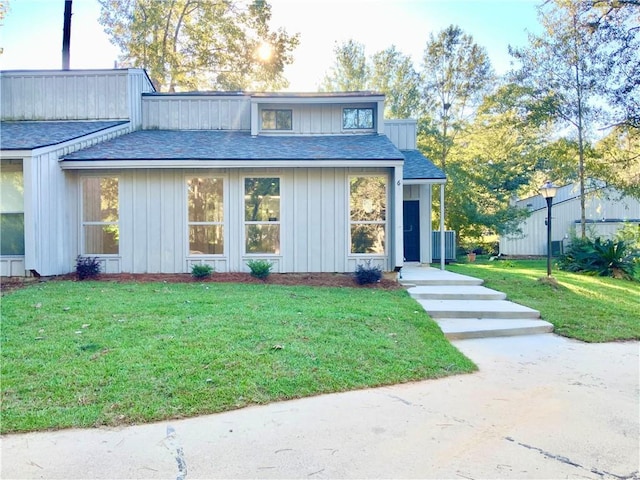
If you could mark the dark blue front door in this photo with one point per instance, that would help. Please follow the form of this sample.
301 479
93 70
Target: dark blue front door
411 222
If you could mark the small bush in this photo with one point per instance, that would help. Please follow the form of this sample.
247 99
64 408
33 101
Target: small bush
260 268
87 267
201 271
366 274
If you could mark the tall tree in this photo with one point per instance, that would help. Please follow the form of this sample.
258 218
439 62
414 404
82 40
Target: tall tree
393 74
350 71
618 159
191 44
565 66
614 28
456 74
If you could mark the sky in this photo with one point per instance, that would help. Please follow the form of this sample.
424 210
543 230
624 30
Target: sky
32 32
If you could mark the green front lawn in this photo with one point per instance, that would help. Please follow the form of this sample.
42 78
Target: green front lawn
82 354
588 308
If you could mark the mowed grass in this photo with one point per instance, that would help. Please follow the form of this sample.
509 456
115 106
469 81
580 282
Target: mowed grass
584 307
83 354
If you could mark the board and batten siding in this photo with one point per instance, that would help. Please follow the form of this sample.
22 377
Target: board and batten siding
197 112
73 95
48 211
533 240
313 118
314 223
402 133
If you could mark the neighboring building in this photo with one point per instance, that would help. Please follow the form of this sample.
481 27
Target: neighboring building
606 211
96 163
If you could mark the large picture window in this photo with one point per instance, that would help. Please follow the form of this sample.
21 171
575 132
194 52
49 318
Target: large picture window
205 200
357 118
367 214
262 215
100 227
276 119
11 208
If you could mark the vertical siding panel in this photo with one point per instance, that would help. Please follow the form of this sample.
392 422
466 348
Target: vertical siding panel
328 218
138 227
154 220
168 224
179 207
127 219
300 202
314 228
341 224
224 115
235 220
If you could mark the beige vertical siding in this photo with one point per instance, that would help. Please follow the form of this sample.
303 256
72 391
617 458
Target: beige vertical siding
198 112
533 240
153 220
81 95
402 133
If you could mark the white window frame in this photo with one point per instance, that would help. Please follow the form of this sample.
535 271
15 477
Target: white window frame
246 222
84 223
384 223
223 224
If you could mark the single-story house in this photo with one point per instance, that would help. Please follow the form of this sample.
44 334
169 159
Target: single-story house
606 211
97 163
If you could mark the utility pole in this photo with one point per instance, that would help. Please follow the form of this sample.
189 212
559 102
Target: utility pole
66 35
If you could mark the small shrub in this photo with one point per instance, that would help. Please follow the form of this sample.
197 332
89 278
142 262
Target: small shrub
199 271
366 274
260 268
87 267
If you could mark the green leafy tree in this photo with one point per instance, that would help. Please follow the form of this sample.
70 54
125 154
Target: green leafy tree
393 74
350 71
618 160
565 66
613 26
494 160
190 44
456 74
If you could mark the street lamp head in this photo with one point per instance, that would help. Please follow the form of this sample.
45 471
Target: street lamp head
548 190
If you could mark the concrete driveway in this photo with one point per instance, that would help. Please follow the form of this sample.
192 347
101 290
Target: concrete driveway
541 406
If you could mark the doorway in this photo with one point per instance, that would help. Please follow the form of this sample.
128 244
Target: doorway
411 229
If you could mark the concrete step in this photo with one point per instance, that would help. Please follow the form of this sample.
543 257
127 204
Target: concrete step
477 309
413 282
455 292
462 328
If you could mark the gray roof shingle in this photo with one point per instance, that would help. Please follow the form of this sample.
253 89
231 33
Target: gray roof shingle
419 167
226 145
28 135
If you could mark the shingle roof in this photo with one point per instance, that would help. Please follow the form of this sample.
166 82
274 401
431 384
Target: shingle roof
419 167
27 135
225 145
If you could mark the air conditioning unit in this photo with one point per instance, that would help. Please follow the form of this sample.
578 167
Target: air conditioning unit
449 245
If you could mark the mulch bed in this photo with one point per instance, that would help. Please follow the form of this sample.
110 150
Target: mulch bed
310 279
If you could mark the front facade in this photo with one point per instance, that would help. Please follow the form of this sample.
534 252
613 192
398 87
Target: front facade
95 163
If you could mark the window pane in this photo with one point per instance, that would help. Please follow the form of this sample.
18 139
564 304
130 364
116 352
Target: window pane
350 118
206 239
11 189
12 234
283 119
365 118
367 239
205 200
262 199
101 239
268 119
368 199
100 199
262 238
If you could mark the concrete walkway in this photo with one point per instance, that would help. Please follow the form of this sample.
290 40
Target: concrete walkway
463 308
541 407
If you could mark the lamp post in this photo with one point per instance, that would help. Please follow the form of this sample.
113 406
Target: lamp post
548 191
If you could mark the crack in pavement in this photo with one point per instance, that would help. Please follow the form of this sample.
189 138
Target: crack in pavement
560 458
171 442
